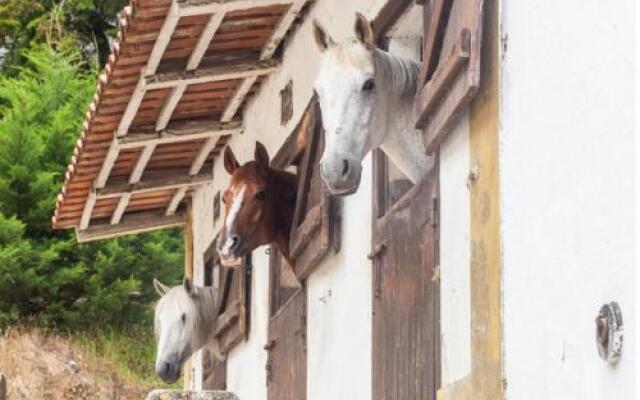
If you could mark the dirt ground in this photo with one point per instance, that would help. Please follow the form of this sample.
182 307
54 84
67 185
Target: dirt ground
43 366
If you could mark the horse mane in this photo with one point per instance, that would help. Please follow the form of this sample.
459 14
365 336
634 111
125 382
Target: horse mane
203 311
401 73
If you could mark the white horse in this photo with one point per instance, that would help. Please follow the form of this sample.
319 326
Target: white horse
366 96
184 323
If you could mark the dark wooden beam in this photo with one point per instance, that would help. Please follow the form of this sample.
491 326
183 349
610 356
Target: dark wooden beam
129 225
153 184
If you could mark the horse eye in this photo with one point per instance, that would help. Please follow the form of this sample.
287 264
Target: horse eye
261 195
184 318
368 86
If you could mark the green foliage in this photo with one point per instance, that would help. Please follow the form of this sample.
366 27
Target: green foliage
64 24
45 276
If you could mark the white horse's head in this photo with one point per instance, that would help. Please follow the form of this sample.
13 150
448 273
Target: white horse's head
177 328
349 100
364 93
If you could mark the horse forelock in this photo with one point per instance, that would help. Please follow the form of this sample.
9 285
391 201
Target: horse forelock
351 53
250 174
399 74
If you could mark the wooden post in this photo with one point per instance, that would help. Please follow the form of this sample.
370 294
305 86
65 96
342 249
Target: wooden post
3 387
188 273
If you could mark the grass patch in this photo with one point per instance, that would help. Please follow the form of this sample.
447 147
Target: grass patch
131 354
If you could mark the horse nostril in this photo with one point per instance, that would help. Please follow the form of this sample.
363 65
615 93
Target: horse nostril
235 241
166 368
345 167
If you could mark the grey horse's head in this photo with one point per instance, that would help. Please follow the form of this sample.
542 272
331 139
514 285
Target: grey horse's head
177 328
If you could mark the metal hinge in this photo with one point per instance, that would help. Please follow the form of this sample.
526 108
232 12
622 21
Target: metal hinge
377 251
268 367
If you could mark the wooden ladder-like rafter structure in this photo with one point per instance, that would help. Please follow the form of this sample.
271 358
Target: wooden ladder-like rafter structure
167 131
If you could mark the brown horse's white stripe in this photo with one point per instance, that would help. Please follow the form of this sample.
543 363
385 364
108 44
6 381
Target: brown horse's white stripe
234 209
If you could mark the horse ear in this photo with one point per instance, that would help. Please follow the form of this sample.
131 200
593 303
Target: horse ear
321 37
261 155
230 161
161 288
188 287
363 29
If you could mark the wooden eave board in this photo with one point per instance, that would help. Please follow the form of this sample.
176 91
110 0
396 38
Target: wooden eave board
168 38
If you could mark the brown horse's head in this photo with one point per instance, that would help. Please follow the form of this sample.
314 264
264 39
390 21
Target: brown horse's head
258 206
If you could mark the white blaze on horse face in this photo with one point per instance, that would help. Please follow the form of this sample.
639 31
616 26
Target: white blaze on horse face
234 209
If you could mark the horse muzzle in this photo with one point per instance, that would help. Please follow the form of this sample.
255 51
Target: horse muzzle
341 175
230 245
168 372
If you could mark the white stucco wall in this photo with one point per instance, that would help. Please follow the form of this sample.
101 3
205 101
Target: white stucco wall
567 192
339 292
455 255
339 308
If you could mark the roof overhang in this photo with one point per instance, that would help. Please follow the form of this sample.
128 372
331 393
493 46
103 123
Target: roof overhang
171 94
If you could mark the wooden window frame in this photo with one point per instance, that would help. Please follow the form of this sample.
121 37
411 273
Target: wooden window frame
216 207
232 324
314 231
450 70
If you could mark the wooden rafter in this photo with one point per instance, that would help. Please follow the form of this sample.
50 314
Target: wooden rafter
141 164
210 74
170 105
169 25
132 108
202 155
238 98
134 178
130 224
198 7
180 132
107 165
153 184
120 208
281 29
88 210
175 201
205 38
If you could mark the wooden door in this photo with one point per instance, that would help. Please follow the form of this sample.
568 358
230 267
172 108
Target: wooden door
405 286
232 320
287 350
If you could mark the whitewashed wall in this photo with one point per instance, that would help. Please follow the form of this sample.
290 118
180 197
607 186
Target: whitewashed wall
567 187
339 291
455 255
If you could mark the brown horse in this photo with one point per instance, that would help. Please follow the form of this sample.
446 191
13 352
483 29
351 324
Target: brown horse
258 206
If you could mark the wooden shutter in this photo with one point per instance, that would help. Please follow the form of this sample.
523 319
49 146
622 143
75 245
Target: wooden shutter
315 226
214 372
450 72
287 351
232 322
405 287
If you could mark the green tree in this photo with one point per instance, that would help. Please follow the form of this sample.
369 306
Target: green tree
81 24
45 276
